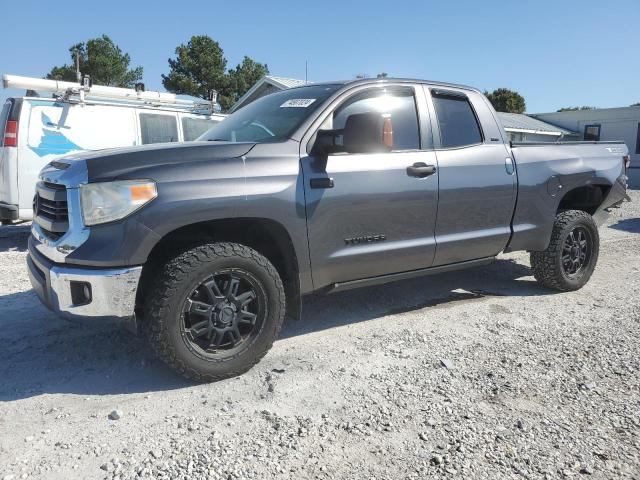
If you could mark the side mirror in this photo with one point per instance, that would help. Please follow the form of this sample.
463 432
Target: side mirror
327 142
367 133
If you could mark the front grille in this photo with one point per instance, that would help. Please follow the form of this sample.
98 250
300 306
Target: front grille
51 211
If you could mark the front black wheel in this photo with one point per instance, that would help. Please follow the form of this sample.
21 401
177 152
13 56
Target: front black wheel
215 311
570 259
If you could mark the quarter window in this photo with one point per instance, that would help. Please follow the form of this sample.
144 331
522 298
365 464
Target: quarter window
592 133
457 121
158 128
638 140
397 103
192 128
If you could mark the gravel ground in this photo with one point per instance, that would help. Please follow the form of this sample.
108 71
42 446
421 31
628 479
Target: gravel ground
475 374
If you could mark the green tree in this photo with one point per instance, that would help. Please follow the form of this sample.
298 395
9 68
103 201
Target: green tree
505 100
635 104
200 67
382 75
103 60
573 109
242 78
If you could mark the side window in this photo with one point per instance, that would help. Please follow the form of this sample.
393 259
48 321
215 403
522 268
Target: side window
158 128
4 116
638 140
457 121
592 133
192 128
398 103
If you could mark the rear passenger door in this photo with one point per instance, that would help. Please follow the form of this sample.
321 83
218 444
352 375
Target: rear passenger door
477 182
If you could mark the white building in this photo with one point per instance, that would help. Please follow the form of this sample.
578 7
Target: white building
523 128
604 124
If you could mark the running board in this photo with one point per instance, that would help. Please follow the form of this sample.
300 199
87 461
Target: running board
366 282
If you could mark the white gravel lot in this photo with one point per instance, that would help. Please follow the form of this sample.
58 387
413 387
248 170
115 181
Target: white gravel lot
474 374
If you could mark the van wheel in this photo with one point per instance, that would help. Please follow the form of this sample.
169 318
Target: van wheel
214 311
572 254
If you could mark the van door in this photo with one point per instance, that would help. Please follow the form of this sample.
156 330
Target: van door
477 191
8 164
367 214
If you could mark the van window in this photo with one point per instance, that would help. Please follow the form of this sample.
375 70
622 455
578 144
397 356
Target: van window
458 124
192 128
158 128
398 103
4 116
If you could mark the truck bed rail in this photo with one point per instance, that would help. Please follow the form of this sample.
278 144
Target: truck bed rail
584 142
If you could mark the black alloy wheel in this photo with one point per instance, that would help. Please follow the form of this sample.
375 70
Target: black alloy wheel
223 313
576 252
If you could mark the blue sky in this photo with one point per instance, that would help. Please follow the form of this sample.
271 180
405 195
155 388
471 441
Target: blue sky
555 53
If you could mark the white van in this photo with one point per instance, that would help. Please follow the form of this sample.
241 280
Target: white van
36 130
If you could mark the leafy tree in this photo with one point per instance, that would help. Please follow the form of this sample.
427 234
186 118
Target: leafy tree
382 75
200 67
103 60
635 104
242 78
574 109
505 100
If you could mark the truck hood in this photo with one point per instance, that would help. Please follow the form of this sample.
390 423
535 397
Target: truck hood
112 163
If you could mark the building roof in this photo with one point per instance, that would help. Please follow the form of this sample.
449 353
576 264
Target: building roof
519 122
286 82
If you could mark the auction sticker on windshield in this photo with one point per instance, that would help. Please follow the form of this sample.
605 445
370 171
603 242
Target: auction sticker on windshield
298 103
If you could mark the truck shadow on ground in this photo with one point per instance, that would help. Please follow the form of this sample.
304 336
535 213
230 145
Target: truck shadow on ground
40 353
502 278
631 225
14 238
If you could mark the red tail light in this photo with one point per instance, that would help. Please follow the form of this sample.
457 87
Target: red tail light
627 161
11 134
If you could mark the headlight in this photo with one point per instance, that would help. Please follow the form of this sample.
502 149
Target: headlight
109 201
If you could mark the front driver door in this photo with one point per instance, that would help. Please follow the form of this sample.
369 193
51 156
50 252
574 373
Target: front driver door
366 214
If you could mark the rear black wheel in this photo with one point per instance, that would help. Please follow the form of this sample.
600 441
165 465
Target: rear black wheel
572 254
215 311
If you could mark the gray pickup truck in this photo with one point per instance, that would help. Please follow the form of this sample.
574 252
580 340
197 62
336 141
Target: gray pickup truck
207 246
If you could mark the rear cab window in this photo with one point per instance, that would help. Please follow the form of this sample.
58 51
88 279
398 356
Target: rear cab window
192 128
158 128
457 120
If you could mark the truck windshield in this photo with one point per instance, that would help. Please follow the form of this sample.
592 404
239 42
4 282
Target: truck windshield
272 118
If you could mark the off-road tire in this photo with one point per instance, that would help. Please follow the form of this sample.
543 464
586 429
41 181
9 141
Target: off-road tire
547 265
164 302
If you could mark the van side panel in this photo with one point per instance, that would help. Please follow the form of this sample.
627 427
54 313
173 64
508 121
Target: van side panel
49 130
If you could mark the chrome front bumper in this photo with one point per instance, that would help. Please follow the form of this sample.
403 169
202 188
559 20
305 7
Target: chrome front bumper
112 292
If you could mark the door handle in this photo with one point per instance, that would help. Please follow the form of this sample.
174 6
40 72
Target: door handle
508 166
421 170
323 182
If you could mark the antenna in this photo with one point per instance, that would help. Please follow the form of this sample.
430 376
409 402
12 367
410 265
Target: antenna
306 76
78 74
